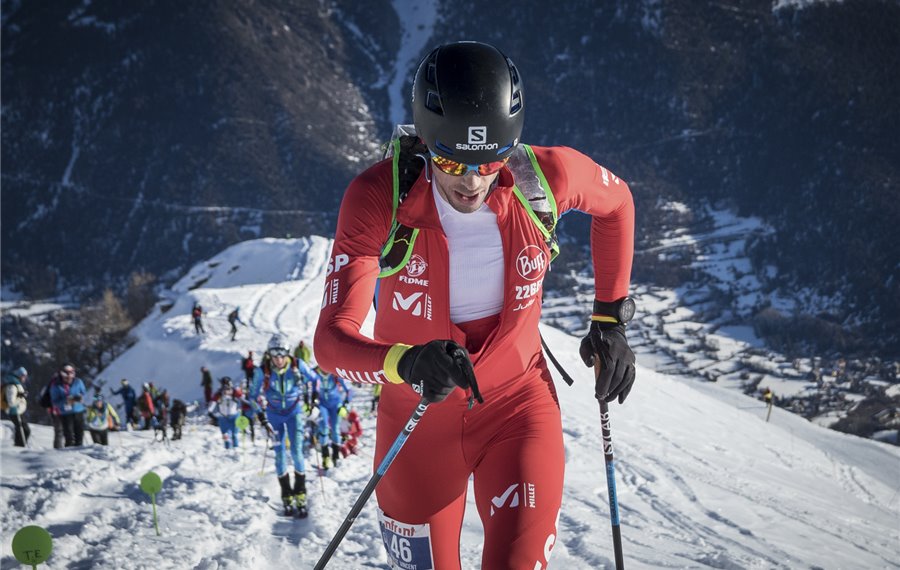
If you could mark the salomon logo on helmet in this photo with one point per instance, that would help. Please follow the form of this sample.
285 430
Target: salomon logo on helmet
467 103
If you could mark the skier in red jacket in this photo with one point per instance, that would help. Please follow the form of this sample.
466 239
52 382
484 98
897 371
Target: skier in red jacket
467 293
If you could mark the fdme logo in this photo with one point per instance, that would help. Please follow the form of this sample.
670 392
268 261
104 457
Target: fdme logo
477 140
419 304
414 269
416 266
510 497
531 263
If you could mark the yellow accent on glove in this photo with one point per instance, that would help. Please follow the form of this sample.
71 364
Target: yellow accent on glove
604 319
391 361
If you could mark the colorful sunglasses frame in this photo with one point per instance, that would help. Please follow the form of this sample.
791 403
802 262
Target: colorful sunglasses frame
454 168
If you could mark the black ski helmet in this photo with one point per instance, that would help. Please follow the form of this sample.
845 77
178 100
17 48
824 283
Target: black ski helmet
467 103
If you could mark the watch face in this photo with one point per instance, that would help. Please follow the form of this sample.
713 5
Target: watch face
626 310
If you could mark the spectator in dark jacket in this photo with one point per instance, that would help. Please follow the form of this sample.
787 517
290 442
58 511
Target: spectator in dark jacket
177 415
248 366
59 440
197 315
234 318
128 400
207 383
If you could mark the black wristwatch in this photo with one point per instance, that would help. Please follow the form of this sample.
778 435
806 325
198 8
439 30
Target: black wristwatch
622 310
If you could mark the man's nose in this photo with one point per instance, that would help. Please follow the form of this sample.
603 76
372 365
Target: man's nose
471 180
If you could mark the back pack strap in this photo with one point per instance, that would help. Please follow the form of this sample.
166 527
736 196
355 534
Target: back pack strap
562 371
533 191
408 159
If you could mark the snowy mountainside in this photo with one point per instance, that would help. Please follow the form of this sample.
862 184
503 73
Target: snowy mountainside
276 283
707 325
703 481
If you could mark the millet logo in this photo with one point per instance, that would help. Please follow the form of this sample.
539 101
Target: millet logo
418 304
510 497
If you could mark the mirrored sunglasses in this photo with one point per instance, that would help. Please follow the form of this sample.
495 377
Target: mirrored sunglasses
454 168
273 352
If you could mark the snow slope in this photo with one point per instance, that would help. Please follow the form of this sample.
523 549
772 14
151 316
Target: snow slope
703 480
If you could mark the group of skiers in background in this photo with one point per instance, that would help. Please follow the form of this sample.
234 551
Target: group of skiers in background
298 406
152 408
234 318
73 410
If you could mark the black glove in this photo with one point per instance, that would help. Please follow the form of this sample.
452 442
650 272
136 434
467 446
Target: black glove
306 400
76 398
435 369
264 422
607 341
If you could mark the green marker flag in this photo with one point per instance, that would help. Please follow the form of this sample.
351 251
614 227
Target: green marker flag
152 484
242 423
32 545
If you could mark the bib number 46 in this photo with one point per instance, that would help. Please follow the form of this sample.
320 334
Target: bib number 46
408 545
400 549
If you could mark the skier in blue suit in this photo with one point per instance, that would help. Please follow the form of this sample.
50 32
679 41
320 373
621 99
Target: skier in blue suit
332 393
277 394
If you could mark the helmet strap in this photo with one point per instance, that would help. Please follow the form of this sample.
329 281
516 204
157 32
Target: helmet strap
427 162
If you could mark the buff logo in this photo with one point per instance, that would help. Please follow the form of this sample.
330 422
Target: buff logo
531 263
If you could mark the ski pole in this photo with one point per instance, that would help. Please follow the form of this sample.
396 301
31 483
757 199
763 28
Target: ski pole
610 477
373 481
315 443
22 431
262 469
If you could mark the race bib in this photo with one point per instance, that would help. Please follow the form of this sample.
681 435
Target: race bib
408 546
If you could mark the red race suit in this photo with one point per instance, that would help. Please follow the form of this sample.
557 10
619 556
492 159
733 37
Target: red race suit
513 442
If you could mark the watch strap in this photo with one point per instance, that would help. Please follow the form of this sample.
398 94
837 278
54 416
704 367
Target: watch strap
610 309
